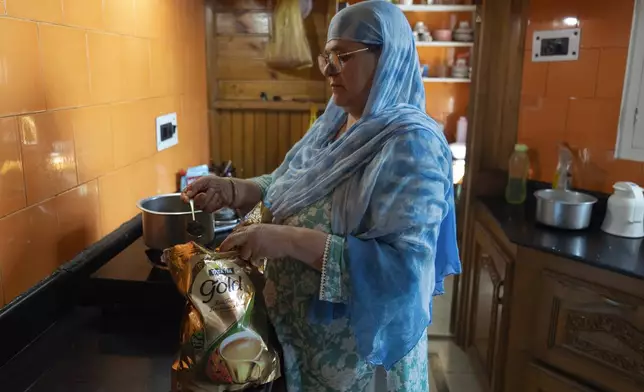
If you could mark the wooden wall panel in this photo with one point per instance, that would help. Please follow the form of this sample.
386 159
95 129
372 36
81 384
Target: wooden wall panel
256 140
288 90
226 5
241 46
229 68
243 23
238 36
255 134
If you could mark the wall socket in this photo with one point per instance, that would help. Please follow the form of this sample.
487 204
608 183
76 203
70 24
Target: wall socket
167 131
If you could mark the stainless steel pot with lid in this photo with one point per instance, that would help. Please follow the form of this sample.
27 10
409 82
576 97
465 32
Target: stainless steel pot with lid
166 218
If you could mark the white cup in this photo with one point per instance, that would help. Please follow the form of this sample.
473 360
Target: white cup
242 352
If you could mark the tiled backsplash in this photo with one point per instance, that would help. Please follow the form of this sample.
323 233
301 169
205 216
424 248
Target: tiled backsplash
578 102
81 82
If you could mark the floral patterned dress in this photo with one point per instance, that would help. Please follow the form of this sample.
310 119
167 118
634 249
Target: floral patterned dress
323 358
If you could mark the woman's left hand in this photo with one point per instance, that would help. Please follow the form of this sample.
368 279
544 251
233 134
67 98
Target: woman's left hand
258 241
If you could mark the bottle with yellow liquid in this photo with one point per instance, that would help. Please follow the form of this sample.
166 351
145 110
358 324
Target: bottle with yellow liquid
563 174
518 169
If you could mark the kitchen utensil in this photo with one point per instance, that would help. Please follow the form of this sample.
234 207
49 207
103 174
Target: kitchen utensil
441 70
625 211
564 209
460 69
464 33
424 70
225 172
225 214
166 219
420 27
442 35
459 150
194 228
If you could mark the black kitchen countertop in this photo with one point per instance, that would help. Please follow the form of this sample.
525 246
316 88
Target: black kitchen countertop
121 334
591 246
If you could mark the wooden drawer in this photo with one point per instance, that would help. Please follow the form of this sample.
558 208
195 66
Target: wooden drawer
543 380
591 331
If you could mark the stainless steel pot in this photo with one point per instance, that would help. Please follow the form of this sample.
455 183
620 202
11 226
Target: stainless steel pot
165 219
564 209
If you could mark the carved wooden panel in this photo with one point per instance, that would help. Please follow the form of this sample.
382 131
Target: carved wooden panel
543 380
594 332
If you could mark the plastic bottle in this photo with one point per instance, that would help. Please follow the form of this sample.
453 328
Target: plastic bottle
461 130
563 173
518 168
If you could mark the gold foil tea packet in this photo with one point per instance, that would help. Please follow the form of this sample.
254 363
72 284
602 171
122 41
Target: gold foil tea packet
259 214
225 338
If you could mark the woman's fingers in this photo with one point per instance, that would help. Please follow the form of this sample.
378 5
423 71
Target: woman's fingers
245 253
234 240
208 201
210 193
200 185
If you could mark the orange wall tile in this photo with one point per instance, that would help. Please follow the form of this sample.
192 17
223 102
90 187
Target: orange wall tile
22 90
42 10
578 102
83 83
12 186
48 154
63 53
83 13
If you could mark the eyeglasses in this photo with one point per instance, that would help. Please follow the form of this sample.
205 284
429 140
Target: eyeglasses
332 62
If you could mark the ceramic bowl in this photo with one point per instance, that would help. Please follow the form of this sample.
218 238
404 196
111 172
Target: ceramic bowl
442 35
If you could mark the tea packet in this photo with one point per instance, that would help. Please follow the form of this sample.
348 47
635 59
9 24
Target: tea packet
259 214
226 340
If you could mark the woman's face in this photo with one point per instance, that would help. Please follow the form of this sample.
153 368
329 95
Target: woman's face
351 85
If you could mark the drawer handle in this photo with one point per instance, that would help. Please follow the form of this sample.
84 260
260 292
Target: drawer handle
499 293
618 304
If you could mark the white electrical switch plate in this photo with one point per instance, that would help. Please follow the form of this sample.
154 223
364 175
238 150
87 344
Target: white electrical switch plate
167 131
555 45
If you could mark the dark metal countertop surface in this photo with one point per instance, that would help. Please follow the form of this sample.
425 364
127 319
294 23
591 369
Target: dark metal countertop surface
591 246
122 335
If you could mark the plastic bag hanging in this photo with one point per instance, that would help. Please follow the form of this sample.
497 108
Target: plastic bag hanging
306 6
288 47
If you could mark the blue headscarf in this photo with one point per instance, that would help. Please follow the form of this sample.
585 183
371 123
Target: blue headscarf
390 177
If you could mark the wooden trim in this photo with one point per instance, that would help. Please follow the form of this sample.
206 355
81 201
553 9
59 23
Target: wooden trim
332 7
437 8
211 49
292 106
495 95
466 203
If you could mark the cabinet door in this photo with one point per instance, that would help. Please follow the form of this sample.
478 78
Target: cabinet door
490 271
592 331
543 380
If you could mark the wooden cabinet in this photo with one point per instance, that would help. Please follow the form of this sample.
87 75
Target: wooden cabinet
489 309
543 380
592 331
536 322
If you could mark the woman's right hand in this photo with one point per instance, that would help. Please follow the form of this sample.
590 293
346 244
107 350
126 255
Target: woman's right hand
210 193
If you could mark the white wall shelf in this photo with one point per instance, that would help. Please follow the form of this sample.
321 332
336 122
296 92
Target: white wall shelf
446 80
437 8
444 44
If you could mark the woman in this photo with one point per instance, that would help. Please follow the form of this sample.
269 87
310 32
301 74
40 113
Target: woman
364 228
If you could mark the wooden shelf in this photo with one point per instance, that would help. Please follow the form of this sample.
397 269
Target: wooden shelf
292 106
437 8
446 80
444 44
